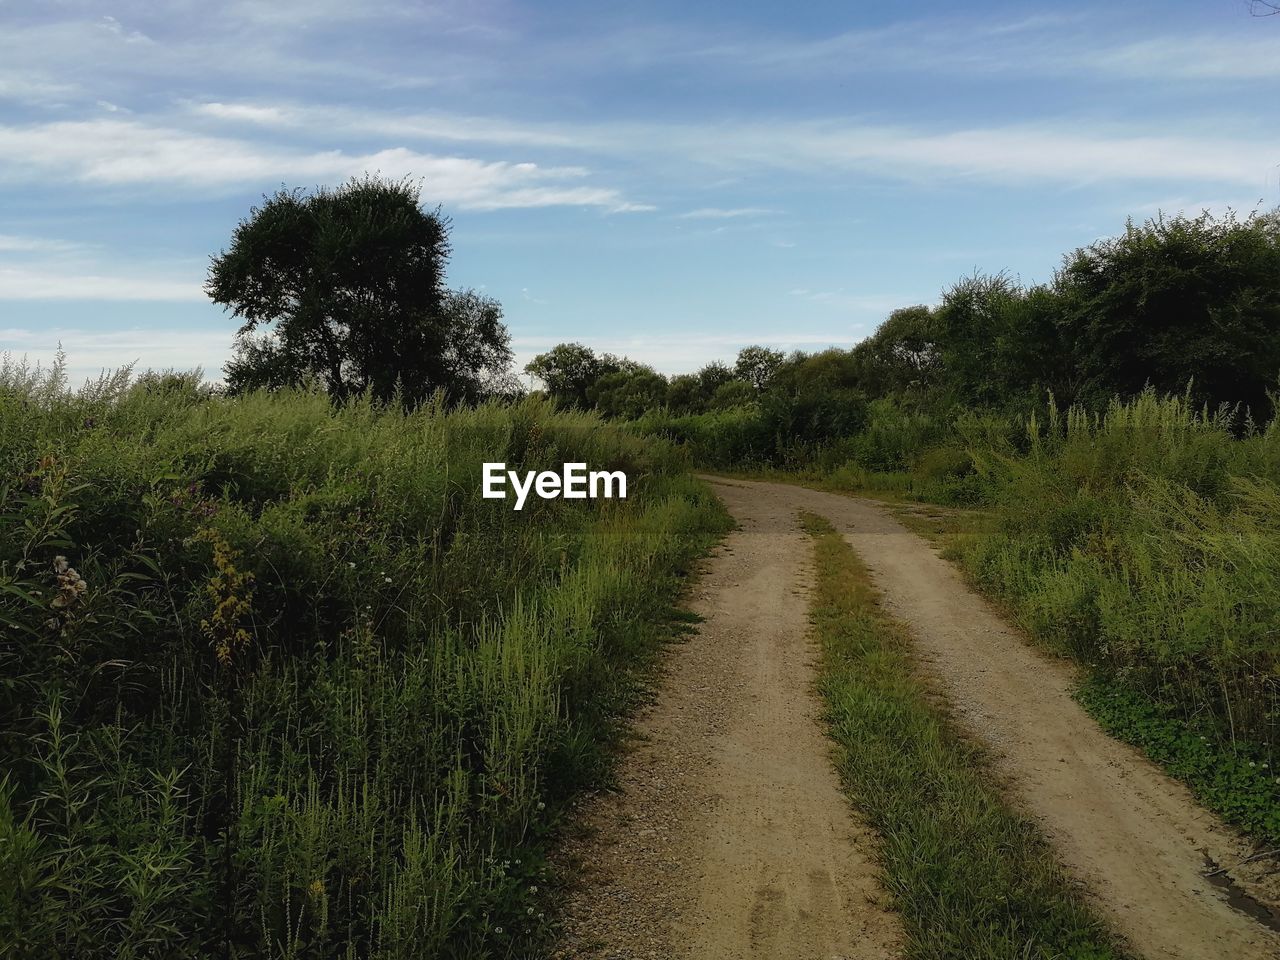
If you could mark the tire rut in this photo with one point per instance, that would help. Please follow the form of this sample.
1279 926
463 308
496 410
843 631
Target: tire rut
728 836
1135 837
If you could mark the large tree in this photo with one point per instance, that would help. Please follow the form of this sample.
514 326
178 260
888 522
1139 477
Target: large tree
347 286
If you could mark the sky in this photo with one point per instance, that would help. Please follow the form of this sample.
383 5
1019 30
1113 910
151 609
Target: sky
665 180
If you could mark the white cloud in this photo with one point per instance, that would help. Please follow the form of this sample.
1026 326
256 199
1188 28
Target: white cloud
331 120
14 243
1204 57
1073 44
114 27
25 86
1025 153
1073 153
72 283
721 213
123 152
247 112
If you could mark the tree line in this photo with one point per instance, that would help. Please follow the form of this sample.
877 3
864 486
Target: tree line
345 287
1181 304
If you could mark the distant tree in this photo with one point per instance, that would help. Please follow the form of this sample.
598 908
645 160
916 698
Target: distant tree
757 365
629 392
1175 301
712 377
902 355
569 371
735 393
1000 344
684 394
815 398
478 349
347 286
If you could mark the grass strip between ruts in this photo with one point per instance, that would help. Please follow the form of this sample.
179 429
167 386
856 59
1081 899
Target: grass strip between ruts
971 877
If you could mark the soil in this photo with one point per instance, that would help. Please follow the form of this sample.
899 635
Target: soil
728 836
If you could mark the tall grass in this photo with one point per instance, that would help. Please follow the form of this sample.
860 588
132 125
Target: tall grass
277 682
1145 542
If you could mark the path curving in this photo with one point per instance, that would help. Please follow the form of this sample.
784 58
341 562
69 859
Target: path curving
729 838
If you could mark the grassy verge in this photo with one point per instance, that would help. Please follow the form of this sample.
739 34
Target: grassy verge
971 878
1236 783
277 681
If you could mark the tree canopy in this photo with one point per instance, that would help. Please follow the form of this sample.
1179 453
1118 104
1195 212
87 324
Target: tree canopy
346 285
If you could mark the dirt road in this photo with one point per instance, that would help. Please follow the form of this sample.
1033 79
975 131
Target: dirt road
729 837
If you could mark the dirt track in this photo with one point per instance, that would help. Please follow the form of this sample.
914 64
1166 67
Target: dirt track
729 837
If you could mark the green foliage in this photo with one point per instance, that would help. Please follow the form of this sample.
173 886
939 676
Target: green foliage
970 877
1239 783
999 344
1180 304
808 406
1146 544
902 355
1175 301
684 394
626 394
1172 302
276 681
732 393
351 284
756 365
569 371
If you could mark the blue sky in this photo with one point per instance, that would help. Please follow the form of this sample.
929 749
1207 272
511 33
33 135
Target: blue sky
667 180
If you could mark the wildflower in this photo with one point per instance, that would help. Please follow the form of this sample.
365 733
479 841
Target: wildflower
497 929
533 889
71 585
541 805
231 591
316 889
529 911
351 564
386 579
